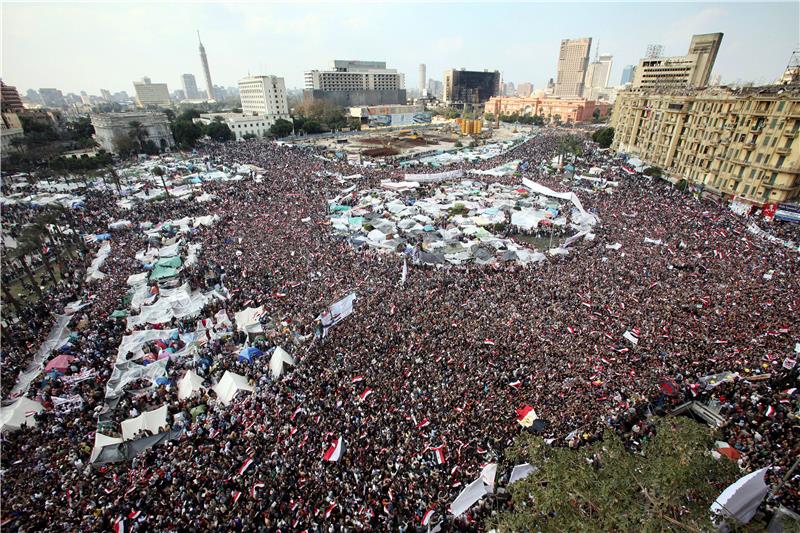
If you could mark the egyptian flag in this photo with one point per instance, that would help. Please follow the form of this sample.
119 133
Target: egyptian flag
490 342
770 411
438 452
256 486
789 392
133 515
632 335
330 510
526 415
364 394
515 384
236 495
334 451
119 525
245 465
426 518
423 424
357 379
669 387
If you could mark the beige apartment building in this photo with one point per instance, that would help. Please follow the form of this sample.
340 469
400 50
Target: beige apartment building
573 61
739 143
690 70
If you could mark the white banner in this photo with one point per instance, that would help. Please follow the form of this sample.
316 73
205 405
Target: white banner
433 178
337 312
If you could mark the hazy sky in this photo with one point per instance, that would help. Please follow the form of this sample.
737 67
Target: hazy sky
75 46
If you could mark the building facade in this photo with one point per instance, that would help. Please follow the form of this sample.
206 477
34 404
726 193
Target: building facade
738 143
264 96
9 99
52 97
691 70
189 83
573 61
356 83
627 75
392 115
110 126
421 80
242 124
470 87
206 71
525 89
10 129
565 109
150 94
597 76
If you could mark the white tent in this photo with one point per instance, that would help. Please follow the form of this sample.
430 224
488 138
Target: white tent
149 420
741 499
521 472
468 497
93 272
487 476
18 413
189 384
100 442
276 362
247 319
229 385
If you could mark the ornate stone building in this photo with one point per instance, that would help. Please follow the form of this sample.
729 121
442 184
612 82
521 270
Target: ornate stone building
155 127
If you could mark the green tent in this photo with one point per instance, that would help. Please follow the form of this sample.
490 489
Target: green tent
170 262
119 313
160 272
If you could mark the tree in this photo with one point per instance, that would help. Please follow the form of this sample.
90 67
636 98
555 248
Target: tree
604 137
219 131
124 145
169 113
604 487
186 132
281 128
189 114
248 136
312 126
656 172
138 132
158 171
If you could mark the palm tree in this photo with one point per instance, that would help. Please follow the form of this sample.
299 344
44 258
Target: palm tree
10 297
25 248
38 235
158 171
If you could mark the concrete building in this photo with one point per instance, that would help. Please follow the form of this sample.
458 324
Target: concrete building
738 143
435 88
627 74
10 129
52 97
565 109
525 89
573 61
242 124
470 86
356 83
9 99
190 87
106 95
264 96
691 70
111 126
597 76
422 78
150 94
206 71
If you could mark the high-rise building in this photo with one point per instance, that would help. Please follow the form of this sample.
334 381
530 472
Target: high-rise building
509 89
190 86
206 72
470 86
422 79
52 97
627 74
34 97
356 83
525 89
691 70
435 88
599 72
9 99
150 94
573 60
551 87
740 143
264 96
106 94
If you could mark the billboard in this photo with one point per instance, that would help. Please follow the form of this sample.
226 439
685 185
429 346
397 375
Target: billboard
788 213
398 119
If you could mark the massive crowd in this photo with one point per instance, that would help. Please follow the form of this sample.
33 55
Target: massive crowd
439 353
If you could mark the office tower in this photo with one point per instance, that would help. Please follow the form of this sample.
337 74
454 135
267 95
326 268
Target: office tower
422 79
190 87
690 70
470 87
151 94
573 60
356 83
627 74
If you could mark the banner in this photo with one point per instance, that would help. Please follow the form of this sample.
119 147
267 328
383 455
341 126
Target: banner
337 312
433 178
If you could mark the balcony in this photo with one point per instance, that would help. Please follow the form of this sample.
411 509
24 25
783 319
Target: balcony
725 141
790 134
756 129
749 146
783 150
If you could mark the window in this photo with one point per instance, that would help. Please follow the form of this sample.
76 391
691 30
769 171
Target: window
780 105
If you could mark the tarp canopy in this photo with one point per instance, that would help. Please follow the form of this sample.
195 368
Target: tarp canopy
59 363
247 320
100 442
93 272
189 384
278 359
57 337
151 421
18 413
741 499
170 262
249 353
521 472
468 497
172 303
229 385
159 273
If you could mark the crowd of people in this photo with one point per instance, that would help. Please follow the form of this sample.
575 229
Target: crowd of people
449 354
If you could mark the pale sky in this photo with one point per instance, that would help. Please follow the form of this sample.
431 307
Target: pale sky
89 46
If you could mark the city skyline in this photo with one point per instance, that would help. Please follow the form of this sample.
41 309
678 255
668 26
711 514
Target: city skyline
242 39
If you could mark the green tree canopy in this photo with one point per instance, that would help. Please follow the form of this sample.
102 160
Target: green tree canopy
604 487
219 131
186 132
281 128
189 114
604 137
312 126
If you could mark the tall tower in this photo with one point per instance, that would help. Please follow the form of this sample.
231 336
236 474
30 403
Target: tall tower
204 61
422 79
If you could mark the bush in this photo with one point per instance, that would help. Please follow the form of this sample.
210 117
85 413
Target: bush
604 137
656 172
